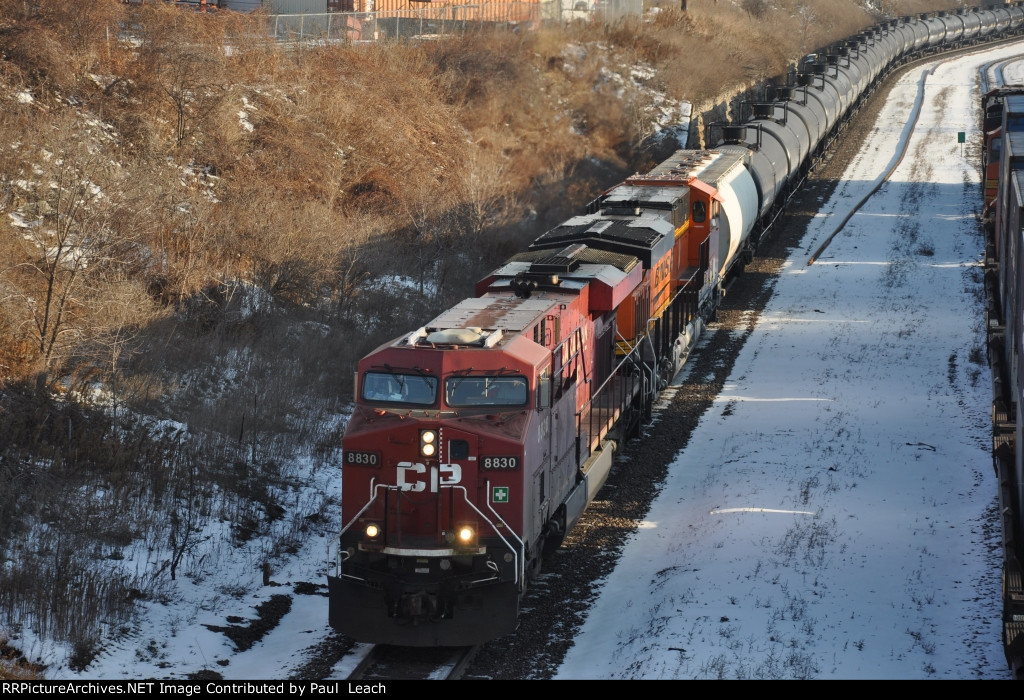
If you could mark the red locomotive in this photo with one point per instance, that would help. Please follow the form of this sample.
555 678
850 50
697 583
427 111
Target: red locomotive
479 439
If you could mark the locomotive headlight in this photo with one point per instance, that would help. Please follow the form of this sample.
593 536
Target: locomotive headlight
428 443
372 531
465 535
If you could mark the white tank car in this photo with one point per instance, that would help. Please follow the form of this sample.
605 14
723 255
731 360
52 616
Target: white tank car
725 170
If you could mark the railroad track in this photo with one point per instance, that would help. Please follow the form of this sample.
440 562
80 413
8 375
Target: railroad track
390 663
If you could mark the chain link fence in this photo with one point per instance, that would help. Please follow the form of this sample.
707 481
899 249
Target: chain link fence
432 20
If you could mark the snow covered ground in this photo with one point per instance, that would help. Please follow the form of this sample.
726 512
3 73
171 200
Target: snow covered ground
833 516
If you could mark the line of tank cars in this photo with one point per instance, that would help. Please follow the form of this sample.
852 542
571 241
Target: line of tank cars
477 440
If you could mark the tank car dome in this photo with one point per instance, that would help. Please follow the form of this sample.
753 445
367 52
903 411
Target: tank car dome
785 93
733 133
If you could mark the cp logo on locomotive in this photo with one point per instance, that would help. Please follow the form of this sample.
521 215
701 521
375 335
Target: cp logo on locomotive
441 475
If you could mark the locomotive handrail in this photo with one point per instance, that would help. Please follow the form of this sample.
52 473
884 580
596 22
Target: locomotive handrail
520 563
577 335
520 560
633 358
373 497
518 550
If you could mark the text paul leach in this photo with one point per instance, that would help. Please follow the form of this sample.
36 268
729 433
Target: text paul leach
189 689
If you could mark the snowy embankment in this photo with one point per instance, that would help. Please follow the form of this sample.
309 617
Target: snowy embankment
833 514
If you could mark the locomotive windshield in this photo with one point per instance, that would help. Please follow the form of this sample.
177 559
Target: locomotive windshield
400 388
485 391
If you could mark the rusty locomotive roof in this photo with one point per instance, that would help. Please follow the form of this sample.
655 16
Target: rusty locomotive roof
506 313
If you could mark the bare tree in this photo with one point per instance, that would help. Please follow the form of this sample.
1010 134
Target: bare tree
183 533
180 231
60 244
79 235
487 190
434 233
755 9
285 250
111 331
358 236
806 17
183 58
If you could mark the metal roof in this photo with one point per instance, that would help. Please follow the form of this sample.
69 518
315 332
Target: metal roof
713 172
586 256
509 314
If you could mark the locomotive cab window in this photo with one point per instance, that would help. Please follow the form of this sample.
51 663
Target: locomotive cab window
387 387
485 391
700 212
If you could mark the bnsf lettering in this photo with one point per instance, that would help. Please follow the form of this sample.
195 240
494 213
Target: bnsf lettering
661 273
500 462
371 459
417 477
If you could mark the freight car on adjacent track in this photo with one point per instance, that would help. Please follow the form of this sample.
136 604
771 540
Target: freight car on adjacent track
1003 216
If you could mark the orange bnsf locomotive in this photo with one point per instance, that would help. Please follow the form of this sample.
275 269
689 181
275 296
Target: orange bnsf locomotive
478 440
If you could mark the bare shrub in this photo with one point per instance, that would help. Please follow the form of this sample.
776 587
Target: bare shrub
13 664
180 63
86 29
288 250
755 9
68 506
471 66
36 52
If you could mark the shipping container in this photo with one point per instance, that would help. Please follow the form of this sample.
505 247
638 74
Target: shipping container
296 7
241 5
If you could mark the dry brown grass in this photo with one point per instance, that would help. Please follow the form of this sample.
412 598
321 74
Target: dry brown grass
716 47
13 664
